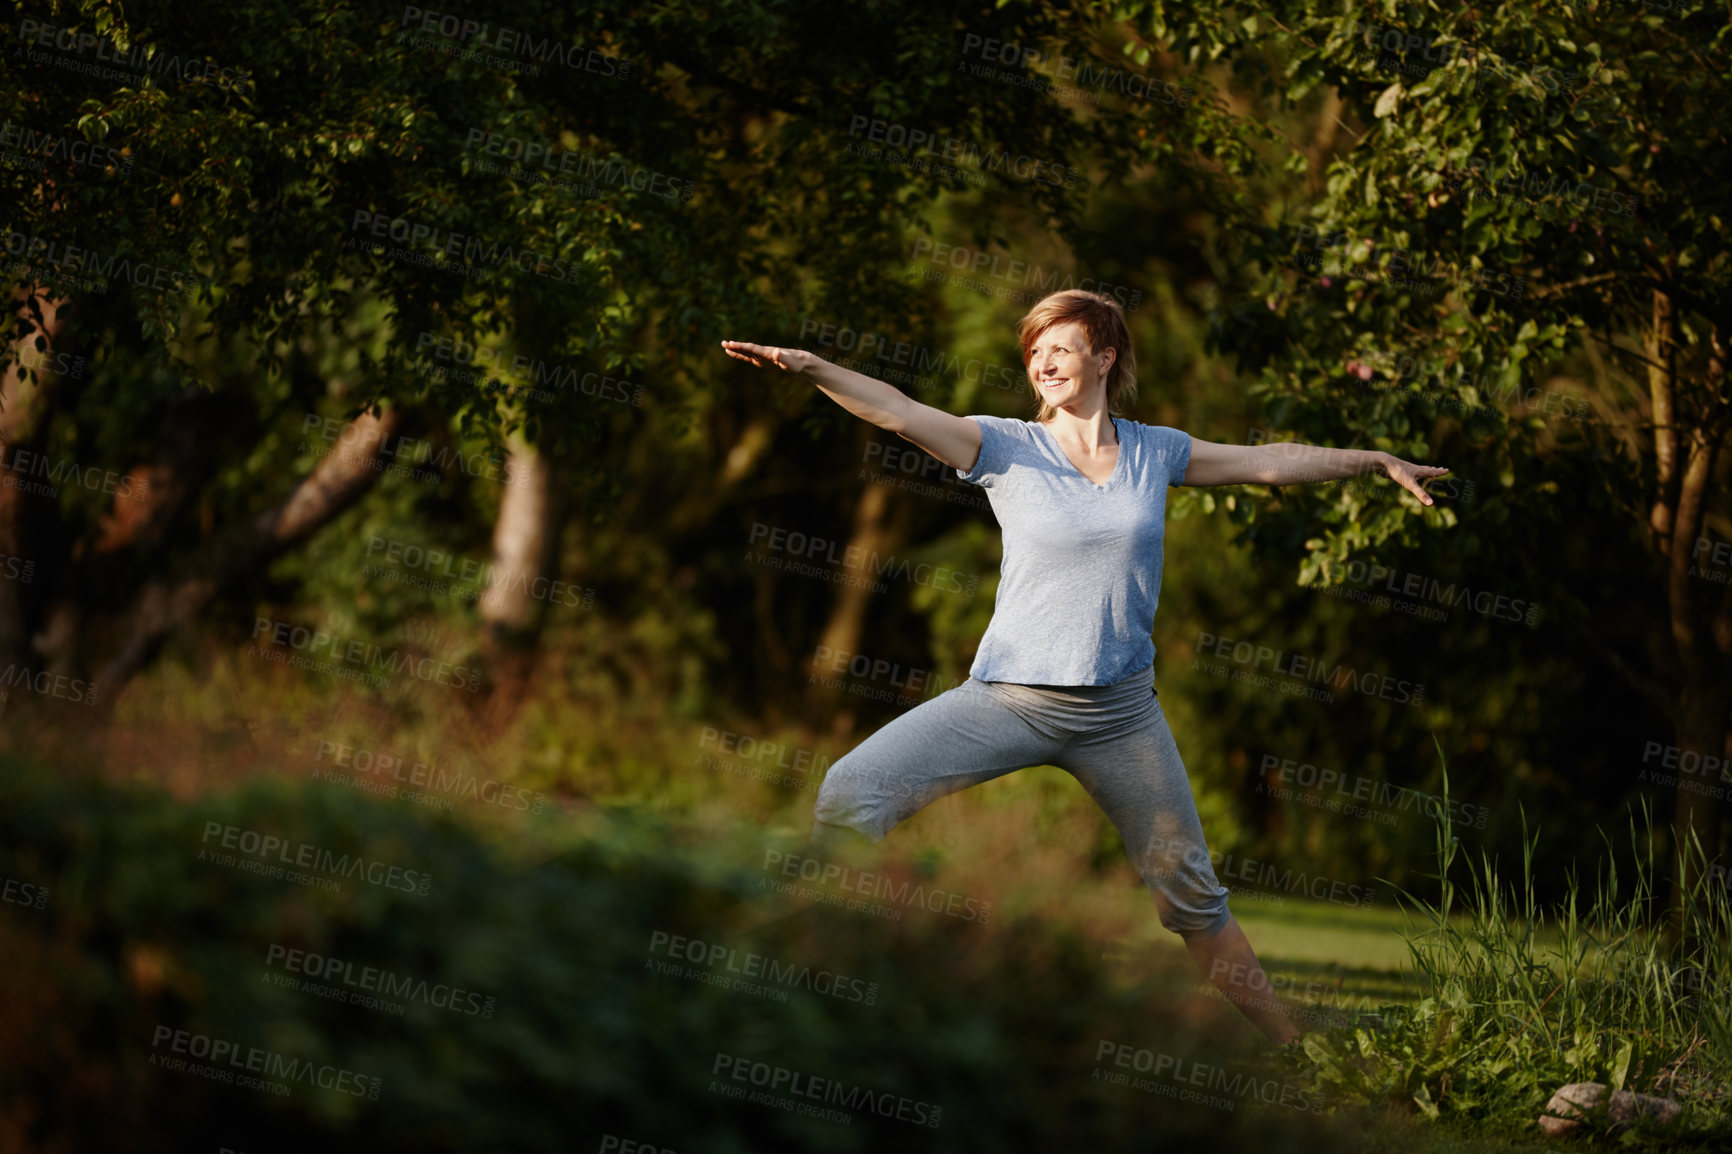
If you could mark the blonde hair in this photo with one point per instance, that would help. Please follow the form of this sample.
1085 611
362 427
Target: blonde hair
1103 324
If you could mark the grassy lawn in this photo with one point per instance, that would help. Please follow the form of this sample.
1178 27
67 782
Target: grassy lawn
1351 958
1313 952
1355 953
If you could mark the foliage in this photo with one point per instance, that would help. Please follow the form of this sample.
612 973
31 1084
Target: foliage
257 186
552 922
1502 1024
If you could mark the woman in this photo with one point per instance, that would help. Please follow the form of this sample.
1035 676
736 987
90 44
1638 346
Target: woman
1065 672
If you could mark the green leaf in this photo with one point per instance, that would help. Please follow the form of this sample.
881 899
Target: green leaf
1621 1064
1387 101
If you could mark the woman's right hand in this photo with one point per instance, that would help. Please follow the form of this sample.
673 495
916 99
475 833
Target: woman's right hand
788 360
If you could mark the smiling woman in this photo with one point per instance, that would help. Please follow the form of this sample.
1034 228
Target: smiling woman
1064 673
1056 337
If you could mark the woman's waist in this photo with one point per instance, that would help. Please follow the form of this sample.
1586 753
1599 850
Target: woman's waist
1132 687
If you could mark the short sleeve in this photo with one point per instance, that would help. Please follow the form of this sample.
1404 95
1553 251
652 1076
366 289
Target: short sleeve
995 447
1172 448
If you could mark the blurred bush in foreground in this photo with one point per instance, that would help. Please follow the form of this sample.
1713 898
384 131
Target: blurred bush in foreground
525 998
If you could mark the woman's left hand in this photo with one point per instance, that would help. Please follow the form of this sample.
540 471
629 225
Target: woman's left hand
1412 477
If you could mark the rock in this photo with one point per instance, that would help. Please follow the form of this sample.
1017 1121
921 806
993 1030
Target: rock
1570 1101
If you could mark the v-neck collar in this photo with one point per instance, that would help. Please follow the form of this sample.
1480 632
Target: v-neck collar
1118 465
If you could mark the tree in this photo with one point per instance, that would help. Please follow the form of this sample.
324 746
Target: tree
268 215
1523 186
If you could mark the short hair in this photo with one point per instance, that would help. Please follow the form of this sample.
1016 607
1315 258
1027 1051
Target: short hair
1103 324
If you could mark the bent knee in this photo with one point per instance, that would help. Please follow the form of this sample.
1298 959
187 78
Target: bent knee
1202 919
846 799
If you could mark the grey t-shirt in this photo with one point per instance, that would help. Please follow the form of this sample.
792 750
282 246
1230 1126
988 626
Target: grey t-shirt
1081 573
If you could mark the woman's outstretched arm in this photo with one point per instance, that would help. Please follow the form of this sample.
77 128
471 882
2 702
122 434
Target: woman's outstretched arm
1291 463
952 439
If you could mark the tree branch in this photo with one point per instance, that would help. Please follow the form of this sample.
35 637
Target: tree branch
163 607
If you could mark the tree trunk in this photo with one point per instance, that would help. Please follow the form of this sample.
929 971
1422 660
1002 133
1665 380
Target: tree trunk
1659 344
698 508
168 605
1686 444
1700 725
93 581
874 532
525 552
24 406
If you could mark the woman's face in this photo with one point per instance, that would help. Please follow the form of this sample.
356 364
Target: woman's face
1063 370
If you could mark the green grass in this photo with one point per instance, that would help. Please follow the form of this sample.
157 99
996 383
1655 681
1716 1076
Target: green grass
1516 1000
1357 953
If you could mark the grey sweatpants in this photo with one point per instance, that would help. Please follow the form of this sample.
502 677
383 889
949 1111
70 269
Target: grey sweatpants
1114 739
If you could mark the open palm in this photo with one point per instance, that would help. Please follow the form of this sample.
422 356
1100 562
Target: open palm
763 356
